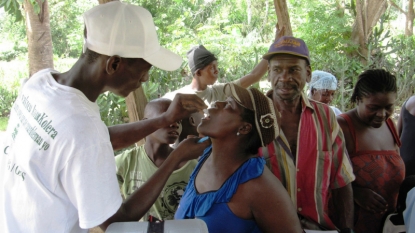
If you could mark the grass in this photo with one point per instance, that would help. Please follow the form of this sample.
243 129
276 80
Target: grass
3 123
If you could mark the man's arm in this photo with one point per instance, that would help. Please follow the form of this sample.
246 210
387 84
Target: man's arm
259 70
344 206
138 203
341 186
183 105
256 74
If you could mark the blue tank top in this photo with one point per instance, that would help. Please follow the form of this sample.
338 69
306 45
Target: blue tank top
212 206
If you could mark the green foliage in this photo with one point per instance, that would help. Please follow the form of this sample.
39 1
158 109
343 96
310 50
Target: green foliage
113 109
238 33
12 7
3 123
13 38
7 99
67 26
8 53
394 54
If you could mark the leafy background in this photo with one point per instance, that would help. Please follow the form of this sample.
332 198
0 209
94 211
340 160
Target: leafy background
237 31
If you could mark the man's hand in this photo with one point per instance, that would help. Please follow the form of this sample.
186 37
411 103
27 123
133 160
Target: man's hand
369 200
279 31
182 106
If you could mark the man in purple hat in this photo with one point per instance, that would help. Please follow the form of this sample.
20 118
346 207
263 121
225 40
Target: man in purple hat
309 156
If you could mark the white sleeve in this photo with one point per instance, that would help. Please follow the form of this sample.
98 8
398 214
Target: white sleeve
89 179
409 213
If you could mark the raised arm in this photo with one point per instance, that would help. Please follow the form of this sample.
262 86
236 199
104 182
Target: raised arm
183 105
138 203
261 68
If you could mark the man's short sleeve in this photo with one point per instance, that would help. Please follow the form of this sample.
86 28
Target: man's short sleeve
90 182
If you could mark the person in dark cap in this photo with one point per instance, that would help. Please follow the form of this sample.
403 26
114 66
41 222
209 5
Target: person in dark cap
309 157
231 189
204 68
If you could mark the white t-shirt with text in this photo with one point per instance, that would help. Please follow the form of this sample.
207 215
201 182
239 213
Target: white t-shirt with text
57 167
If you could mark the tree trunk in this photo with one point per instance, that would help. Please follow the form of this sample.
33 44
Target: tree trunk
409 15
340 6
368 13
135 101
249 10
39 38
283 17
409 25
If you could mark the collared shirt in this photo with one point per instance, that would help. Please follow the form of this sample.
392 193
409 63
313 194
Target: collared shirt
321 163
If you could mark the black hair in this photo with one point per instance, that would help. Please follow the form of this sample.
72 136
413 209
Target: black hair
373 81
91 56
254 140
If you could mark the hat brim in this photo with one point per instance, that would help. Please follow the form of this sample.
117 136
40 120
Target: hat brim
269 55
241 95
165 60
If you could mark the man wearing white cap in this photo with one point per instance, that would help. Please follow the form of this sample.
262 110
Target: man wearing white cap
57 165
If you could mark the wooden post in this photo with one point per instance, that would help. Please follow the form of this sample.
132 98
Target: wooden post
283 17
136 101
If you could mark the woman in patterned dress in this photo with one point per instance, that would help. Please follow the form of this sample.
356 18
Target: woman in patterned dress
373 145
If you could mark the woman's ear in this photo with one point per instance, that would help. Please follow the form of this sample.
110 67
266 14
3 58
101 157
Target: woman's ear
245 128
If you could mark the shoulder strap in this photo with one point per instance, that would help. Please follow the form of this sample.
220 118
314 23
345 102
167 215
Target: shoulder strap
394 132
352 130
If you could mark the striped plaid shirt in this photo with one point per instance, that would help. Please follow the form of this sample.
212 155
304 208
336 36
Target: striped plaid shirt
321 163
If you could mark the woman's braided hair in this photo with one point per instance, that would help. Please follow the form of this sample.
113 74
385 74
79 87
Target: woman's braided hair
373 81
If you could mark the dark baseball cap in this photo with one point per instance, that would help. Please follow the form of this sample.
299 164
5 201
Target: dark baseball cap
288 45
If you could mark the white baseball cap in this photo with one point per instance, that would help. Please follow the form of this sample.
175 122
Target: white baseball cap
126 30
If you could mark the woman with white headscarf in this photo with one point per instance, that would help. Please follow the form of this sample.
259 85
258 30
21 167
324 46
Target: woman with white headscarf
322 87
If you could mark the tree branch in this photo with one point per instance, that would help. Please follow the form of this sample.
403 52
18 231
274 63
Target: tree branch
397 7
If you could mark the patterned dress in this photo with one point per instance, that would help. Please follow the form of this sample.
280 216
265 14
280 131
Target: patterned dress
380 171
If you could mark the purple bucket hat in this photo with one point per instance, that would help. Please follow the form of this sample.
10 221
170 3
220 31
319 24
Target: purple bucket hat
288 45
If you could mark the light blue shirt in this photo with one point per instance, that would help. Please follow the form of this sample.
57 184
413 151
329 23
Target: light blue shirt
409 213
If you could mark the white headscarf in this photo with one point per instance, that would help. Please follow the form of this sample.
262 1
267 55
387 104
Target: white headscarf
321 80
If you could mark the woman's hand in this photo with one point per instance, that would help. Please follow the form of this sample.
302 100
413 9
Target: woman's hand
369 200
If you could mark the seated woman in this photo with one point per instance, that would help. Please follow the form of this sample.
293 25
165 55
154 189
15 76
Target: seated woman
373 145
230 188
322 87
